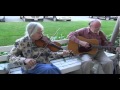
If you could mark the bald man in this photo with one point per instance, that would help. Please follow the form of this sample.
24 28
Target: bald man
93 32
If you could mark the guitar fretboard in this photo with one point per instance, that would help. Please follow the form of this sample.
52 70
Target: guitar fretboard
103 47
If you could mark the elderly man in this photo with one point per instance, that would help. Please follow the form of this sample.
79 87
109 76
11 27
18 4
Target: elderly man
92 32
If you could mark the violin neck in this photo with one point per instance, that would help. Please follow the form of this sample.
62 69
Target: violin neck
57 46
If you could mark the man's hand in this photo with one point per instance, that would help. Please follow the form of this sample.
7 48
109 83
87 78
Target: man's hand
30 62
84 44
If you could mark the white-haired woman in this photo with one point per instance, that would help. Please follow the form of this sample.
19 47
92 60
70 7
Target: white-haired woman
34 59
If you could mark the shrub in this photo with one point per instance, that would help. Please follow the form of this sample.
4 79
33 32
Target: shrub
117 41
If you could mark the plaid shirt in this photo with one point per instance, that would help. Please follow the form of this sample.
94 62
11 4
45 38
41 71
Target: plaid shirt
85 32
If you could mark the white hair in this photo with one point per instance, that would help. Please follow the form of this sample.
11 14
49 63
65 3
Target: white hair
32 28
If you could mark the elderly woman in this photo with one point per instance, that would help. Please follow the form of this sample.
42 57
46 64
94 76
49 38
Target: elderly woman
34 59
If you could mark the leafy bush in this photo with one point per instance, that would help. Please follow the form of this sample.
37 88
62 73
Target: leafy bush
116 41
3 53
57 37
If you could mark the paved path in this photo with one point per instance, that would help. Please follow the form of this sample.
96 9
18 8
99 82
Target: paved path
80 18
13 19
73 18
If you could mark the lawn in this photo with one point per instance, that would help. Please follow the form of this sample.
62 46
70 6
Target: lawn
10 31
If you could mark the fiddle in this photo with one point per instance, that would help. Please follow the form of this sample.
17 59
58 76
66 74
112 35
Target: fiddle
53 46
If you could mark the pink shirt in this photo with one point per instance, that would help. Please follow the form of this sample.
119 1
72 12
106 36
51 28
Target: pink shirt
86 33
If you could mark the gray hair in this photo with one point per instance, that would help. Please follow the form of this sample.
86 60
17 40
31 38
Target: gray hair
92 21
32 28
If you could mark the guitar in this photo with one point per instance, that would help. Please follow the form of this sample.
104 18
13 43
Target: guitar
93 49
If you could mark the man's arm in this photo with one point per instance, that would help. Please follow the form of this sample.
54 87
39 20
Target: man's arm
73 37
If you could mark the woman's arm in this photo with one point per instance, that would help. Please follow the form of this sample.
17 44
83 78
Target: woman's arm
15 55
60 54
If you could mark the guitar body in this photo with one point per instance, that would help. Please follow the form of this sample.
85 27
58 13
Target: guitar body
77 49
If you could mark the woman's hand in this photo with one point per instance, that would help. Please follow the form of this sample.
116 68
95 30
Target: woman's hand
30 62
67 52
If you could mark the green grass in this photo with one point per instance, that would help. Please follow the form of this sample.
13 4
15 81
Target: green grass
10 31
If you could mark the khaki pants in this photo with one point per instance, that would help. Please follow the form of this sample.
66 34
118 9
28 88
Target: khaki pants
88 62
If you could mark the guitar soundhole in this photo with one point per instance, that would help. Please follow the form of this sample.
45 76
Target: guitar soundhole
83 49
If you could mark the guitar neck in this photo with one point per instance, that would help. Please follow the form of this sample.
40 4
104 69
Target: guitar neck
103 47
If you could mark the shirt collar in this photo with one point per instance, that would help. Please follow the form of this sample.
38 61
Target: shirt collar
89 31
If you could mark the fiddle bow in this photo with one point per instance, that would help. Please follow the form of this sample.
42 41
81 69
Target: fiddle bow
53 46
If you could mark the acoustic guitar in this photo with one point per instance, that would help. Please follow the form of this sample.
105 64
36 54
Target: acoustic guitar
93 49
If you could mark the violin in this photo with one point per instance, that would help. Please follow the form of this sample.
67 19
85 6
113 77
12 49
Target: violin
53 46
